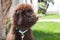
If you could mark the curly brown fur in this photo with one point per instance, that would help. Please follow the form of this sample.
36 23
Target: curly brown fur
23 18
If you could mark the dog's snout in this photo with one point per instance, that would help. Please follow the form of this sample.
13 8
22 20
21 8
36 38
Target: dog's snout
32 16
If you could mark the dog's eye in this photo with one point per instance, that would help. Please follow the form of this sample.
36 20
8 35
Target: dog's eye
29 11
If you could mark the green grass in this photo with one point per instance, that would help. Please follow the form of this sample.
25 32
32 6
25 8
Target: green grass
46 31
50 16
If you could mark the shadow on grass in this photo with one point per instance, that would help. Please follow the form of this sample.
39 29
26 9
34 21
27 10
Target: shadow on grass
39 35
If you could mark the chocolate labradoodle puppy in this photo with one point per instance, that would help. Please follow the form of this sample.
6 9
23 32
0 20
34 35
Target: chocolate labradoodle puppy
22 20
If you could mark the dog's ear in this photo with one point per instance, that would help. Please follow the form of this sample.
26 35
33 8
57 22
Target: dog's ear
17 15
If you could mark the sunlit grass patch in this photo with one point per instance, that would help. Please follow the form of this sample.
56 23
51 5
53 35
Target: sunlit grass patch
46 31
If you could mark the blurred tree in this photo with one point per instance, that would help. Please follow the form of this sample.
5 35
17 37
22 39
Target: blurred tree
46 2
4 8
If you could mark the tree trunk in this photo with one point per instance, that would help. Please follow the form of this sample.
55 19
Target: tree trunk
2 31
4 7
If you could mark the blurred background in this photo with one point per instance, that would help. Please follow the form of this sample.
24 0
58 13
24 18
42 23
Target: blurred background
46 28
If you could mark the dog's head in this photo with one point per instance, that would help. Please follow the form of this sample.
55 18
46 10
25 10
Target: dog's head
24 15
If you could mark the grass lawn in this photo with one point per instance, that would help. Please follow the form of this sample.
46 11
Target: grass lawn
46 31
50 16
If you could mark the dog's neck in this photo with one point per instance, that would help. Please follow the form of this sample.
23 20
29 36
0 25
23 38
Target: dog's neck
22 32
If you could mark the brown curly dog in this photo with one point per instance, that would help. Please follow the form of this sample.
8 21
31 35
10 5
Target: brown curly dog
22 20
